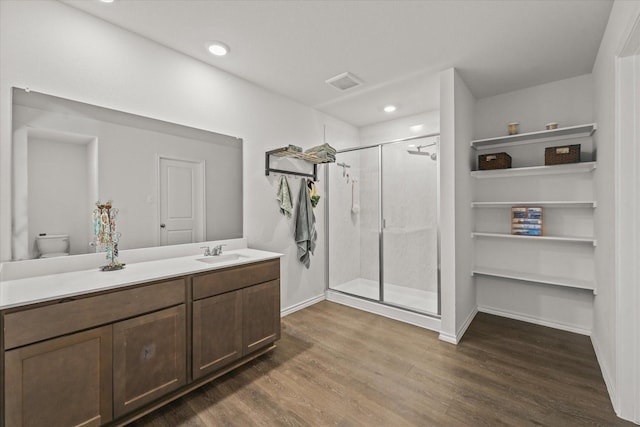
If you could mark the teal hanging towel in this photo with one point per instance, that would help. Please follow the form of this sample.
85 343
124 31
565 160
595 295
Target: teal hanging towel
305 233
284 197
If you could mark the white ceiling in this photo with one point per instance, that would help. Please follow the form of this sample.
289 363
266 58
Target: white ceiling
396 47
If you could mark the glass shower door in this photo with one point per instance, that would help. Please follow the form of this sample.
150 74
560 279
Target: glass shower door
410 225
354 223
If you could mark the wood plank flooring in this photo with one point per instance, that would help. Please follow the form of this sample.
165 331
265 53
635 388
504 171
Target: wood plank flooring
337 366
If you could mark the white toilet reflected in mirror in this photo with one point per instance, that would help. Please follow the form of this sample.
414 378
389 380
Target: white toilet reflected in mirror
53 245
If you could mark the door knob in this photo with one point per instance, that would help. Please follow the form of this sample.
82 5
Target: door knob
163 225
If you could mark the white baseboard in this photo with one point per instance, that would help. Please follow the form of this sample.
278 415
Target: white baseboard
608 379
534 320
466 324
410 317
304 304
455 339
451 339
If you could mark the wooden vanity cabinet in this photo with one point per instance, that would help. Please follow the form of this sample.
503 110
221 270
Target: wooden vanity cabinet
60 382
235 313
111 357
59 356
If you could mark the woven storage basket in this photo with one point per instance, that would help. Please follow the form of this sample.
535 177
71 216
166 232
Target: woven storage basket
494 161
562 155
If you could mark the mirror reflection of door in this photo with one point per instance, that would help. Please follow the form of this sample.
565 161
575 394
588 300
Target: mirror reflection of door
181 201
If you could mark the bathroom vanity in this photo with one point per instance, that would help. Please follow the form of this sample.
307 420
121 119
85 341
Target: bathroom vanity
129 344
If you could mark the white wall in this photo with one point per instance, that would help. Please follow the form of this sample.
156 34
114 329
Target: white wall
464 129
405 127
55 49
607 342
568 102
458 294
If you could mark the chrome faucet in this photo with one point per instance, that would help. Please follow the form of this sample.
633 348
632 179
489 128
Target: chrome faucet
207 250
217 250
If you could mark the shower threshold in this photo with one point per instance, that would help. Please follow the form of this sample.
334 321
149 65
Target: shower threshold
413 299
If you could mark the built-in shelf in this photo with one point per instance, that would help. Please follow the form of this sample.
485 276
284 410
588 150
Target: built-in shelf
536 278
526 187
567 239
569 168
535 137
544 204
286 152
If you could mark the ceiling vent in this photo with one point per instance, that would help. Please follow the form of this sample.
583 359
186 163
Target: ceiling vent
344 81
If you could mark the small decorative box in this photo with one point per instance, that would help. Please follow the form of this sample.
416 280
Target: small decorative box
494 161
562 155
526 221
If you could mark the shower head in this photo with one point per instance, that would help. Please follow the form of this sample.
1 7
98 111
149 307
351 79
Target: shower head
419 151
433 156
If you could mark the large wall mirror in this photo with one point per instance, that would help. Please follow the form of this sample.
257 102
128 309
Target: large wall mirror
172 184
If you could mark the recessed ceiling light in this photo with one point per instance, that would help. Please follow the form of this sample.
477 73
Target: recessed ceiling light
218 48
106 1
389 108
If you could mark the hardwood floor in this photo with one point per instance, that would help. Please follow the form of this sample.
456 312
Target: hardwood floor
343 367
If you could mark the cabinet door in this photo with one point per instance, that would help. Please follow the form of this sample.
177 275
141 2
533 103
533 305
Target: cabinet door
149 358
60 382
261 315
217 332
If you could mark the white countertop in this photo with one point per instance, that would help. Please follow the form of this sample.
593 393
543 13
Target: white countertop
19 292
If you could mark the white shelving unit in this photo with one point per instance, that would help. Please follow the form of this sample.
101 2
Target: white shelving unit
535 278
544 204
570 168
568 239
555 194
559 134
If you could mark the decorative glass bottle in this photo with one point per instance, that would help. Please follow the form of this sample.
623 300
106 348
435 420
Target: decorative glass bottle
106 236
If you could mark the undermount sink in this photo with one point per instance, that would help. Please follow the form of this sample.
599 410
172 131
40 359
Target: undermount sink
215 259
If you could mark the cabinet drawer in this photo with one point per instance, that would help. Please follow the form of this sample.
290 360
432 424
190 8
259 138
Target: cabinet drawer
218 282
36 324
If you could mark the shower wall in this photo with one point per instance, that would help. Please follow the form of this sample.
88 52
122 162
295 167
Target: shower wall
369 224
344 226
411 216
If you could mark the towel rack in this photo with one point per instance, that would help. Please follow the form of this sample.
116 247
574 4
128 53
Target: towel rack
285 152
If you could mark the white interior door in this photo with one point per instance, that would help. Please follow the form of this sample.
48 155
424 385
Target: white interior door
181 198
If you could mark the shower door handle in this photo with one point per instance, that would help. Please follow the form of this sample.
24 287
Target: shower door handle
384 223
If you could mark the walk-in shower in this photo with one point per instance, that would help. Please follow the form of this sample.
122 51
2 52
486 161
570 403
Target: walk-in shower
383 233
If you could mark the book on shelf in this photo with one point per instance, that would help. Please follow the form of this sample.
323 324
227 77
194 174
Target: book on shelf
526 221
